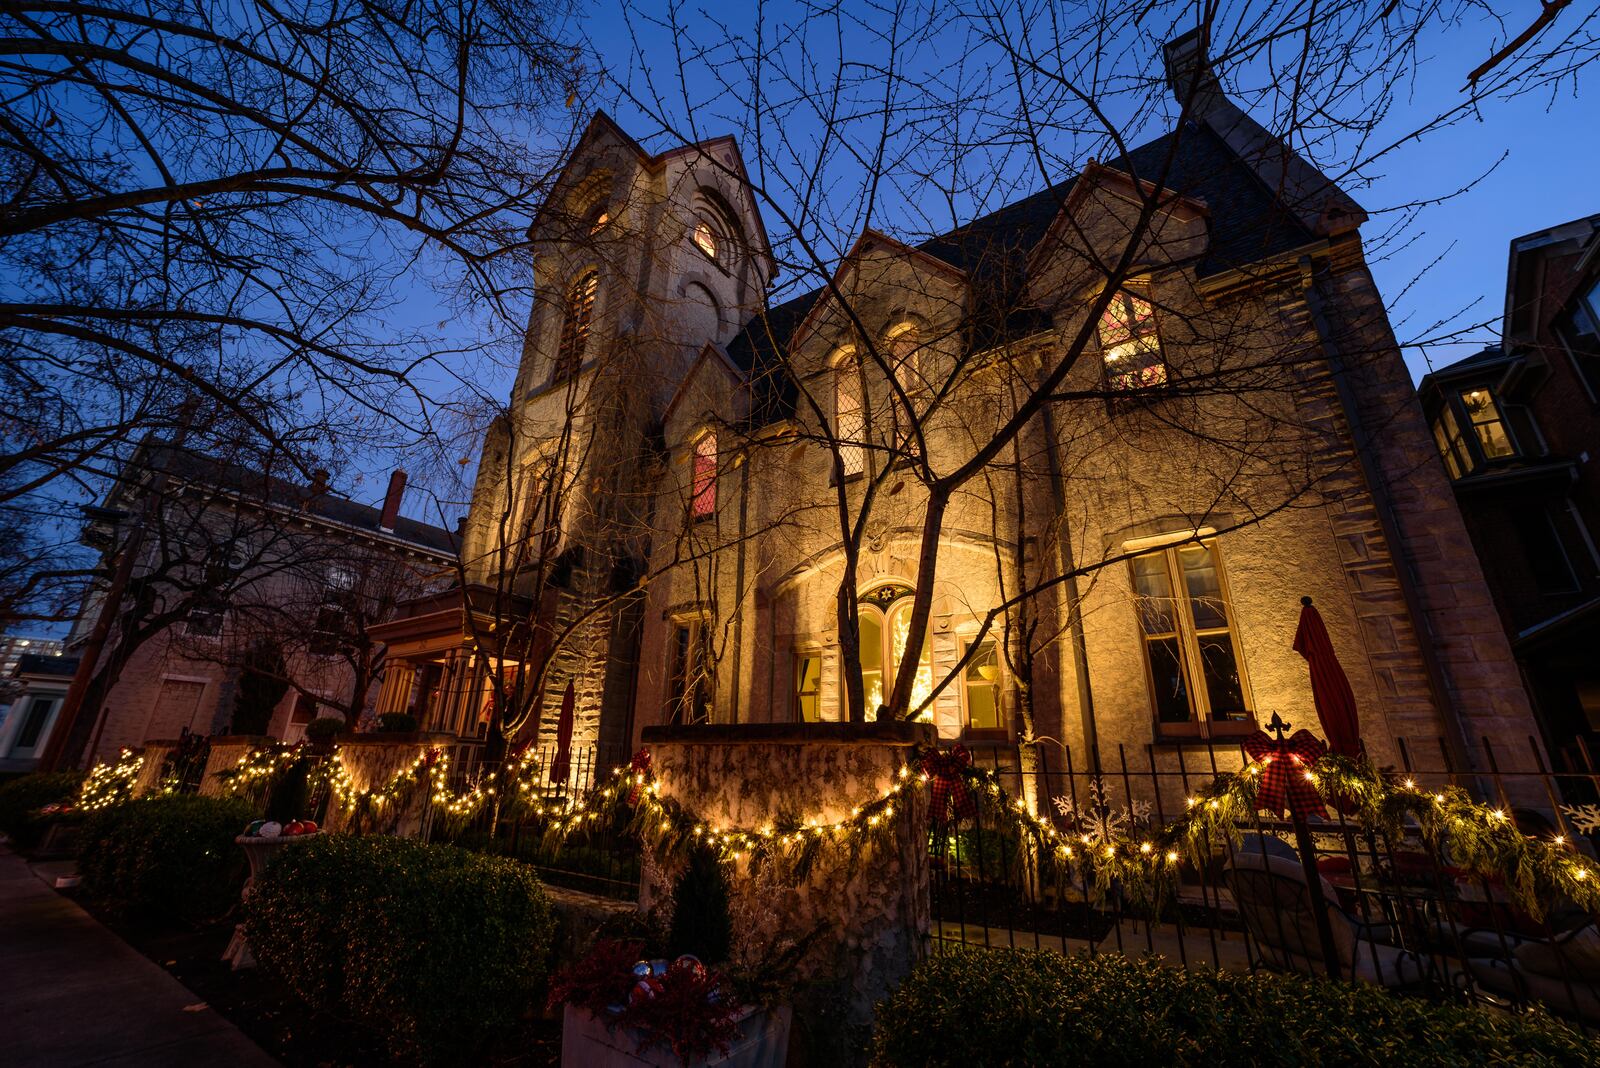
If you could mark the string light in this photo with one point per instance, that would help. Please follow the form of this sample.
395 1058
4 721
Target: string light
110 784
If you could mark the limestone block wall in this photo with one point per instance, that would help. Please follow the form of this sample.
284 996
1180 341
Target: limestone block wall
873 917
225 753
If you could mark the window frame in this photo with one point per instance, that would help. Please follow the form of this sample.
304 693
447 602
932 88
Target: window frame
577 324
708 489
680 693
1124 298
1001 731
219 610
1201 723
1458 400
846 366
801 654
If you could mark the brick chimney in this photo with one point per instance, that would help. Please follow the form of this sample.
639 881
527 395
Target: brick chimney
391 502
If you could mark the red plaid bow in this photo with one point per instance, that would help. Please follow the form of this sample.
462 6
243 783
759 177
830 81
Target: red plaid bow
638 772
945 770
431 757
1284 765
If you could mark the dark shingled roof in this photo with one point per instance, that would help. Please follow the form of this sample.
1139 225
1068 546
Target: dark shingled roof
251 483
1247 223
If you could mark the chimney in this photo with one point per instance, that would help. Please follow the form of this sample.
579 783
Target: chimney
318 488
1189 73
391 502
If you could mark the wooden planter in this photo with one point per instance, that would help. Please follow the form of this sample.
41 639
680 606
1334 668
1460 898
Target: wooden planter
586 1042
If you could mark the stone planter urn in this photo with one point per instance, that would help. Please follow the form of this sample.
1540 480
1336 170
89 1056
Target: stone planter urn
259 851
587 1042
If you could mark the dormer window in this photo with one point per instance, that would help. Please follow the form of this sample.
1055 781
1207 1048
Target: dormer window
705 239
1130 344
576 323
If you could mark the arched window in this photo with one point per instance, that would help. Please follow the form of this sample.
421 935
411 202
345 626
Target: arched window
576 323
903 350
885 619
599 218
705 238
703 490
849 413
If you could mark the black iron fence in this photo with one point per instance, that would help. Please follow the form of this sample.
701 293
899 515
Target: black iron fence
512 822
1327 896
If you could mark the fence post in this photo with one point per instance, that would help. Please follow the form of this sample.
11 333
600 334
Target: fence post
1319 904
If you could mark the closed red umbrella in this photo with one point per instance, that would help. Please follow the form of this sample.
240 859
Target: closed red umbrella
1330 689
563 762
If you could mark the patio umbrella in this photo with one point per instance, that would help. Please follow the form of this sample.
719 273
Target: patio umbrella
563 761
1330 689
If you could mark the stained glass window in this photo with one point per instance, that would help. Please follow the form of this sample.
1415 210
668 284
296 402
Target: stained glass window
703 494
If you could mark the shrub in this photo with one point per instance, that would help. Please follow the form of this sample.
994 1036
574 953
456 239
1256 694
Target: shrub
324 728
22 797
171 856
396 723
1016 1007
439 949
700 922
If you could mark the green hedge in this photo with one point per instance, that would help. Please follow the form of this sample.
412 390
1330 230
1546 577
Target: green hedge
441 950
172 857
24 795
1014 1007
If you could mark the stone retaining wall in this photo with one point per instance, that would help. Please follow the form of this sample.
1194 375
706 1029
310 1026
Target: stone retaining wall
371 760
872 916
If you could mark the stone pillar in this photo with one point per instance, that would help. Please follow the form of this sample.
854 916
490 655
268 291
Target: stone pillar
155 753
873 916
371 760
225 753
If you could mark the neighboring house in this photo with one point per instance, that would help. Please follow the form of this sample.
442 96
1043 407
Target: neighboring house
41 680
13 647
1518 429
666 424
243 580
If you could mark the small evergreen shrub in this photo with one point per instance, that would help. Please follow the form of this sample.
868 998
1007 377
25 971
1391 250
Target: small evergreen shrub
396 723
172 857
23 797
1017 1007
324 728
700 922
440 950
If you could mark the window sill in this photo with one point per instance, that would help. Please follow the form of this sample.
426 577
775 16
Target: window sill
1223 732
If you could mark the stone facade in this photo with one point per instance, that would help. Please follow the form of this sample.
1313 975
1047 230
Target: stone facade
1307 473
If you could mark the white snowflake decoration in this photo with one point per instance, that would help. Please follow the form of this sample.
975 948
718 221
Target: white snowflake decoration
1584 817
1099 818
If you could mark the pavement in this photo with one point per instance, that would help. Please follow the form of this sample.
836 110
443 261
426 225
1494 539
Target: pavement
72 993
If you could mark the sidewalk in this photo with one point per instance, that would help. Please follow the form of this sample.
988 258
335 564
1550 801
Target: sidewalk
73 993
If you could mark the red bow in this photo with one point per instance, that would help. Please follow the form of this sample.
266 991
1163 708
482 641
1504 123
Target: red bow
1284 766
949 784
638 772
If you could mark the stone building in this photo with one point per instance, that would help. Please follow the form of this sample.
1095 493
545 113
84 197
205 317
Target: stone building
235 570
1518 432
686 473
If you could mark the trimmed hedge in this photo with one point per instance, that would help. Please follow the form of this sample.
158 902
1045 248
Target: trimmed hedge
172 856
441 950
23 796
1016 1007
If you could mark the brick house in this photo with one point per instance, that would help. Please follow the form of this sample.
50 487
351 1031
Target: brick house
1518 432
230 562
663 496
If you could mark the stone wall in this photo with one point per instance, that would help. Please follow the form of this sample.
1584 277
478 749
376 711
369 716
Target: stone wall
871 917
155 753
371 760
225 753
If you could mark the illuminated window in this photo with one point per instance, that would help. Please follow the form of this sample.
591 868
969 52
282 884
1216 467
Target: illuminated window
980 689
849 414
705 239
1130 345
689 672
885 624
904 351
1458 459
703 492
1487 424
1190 648
576 323
599 220
808 687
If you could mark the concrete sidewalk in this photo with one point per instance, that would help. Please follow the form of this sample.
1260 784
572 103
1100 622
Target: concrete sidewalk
73 993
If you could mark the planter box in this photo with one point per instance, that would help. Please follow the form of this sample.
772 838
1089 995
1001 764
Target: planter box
586 1042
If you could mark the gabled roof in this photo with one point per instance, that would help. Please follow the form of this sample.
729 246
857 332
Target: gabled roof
1247 224
254 485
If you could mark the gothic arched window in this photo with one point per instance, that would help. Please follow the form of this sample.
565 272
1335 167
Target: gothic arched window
575 324
849 412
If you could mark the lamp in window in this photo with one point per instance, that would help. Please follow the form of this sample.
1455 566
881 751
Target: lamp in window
1130 344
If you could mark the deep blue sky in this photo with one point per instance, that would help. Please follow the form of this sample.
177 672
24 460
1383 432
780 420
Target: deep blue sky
1449 266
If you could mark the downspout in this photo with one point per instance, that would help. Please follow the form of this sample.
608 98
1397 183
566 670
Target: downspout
1080 648
1455 736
